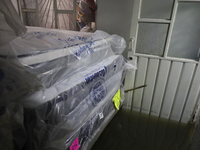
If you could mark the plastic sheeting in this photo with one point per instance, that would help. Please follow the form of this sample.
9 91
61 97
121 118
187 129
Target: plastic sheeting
86 131
65 81
14 82
79 84
45 56
66 106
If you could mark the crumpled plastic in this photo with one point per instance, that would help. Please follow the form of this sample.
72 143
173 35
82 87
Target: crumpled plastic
63 80
43 57
61 111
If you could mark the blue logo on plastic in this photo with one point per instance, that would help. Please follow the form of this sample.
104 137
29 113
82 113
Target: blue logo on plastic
98 91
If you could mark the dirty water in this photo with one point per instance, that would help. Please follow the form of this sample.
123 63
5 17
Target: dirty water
135 131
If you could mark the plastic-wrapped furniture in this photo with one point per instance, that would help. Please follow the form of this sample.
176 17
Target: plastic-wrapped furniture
51 54
61 110
42 57
65 81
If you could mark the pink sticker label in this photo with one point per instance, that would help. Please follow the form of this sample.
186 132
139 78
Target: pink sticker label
75 145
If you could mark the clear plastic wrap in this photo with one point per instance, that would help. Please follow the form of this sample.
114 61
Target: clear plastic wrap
14 82
12 131
62 109
90 130
60 135
75 83
64 80
87 130
46 55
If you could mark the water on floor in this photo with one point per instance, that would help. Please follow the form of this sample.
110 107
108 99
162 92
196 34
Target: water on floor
135 131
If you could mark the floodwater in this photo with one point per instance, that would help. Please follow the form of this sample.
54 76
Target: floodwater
135 131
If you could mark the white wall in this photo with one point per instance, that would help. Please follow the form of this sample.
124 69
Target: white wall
114 17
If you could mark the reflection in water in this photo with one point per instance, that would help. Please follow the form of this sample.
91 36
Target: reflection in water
135 131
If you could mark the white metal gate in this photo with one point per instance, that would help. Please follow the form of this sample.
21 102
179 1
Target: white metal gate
171 72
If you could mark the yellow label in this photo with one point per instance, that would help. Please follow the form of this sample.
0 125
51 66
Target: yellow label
117 99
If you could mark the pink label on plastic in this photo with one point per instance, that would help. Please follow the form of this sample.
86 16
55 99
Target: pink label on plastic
75 145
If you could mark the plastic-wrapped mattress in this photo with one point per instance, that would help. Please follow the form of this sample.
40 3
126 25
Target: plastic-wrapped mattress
80 84
61 109
50 55
43 57
65 81
83 133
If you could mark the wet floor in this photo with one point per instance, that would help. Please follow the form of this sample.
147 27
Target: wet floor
135 131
